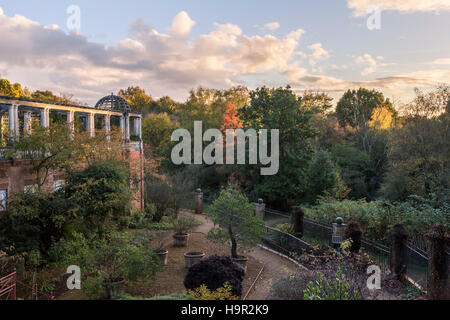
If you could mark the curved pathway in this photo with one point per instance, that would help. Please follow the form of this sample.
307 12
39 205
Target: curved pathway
275 267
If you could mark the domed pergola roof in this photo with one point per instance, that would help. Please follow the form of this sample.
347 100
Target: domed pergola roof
113 103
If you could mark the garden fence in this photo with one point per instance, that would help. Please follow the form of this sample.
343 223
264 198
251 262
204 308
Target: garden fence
317 232
283 242
416 264
416 256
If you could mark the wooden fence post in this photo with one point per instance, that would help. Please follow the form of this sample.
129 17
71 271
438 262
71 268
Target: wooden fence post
438 264
399 235
297 216
198 201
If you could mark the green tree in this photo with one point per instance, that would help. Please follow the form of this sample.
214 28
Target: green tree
280 109
156 133
236 219
138 99
47 149
102 194
324 179
419 148
366 111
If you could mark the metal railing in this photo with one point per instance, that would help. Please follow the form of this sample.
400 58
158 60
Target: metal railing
316 232
378 252
283 242
416 265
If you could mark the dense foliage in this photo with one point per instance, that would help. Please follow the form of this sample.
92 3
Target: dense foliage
236 222
377 217
214 272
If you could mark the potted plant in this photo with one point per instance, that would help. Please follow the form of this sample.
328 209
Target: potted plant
236 222
182 225
192 258
161 252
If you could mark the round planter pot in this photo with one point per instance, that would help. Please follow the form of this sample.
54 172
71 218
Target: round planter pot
180 240
242 262
163 256
112 290
192 258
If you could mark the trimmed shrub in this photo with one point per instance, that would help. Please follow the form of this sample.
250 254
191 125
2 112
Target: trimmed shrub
214 272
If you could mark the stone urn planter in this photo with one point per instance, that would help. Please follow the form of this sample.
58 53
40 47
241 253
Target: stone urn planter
113 289
192 258
162 255
180 240
242 262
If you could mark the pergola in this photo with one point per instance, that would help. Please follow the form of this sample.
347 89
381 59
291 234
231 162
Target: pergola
107 107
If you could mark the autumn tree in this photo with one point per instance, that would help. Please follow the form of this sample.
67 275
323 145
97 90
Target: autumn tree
366 111
231 119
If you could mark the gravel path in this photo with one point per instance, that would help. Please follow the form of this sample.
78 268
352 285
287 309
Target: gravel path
275 267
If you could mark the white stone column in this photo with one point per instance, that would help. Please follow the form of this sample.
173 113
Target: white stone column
27 117
45 117
91 124
71 123
136 126
16 121
122 126
107 126
127 127
11 120
140 128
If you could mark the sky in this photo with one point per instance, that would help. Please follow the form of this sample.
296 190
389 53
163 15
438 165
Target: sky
92 48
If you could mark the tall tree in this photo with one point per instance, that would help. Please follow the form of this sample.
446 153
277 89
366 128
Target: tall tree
138 99
280 109
366 111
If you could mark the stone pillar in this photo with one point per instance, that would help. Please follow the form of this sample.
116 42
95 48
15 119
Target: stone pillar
91 124
140 128
71 122
16 121
297 215
122 126
107 126
11 121
136 127
198 201
27 118
259 208
127 127
438 264
354 232
45 117
398 235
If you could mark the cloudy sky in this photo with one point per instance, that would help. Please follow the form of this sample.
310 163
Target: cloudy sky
168 47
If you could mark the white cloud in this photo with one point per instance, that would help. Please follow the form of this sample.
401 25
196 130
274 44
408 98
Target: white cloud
272 26
181 25
441 61
369 62
406 6
165 61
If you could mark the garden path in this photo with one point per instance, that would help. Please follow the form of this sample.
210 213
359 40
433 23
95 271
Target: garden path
275 267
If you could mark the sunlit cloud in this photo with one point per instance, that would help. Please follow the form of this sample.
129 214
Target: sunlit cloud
405 6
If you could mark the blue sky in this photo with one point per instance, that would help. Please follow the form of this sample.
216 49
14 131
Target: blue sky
225 43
